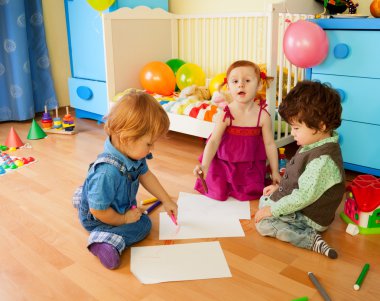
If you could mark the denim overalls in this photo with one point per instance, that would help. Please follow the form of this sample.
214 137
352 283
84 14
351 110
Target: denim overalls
118 236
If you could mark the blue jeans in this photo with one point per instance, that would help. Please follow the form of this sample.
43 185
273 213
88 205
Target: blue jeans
292 228
121 236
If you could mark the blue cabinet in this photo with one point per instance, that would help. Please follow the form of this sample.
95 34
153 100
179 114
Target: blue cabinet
87 85
352 67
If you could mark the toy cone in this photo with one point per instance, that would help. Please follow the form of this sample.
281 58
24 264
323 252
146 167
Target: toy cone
13 139
36 132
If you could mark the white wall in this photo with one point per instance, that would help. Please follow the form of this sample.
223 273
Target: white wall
210 6
293 6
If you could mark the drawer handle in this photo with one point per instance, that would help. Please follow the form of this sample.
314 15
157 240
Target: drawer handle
342 94
84 92
341 51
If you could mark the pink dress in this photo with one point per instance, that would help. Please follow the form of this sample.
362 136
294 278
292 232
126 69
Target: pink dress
239 166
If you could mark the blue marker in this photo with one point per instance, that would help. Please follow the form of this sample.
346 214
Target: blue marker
150 209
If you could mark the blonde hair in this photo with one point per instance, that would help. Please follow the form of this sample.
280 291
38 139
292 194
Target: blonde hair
135 115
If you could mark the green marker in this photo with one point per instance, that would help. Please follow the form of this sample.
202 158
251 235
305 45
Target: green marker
361 277
301 299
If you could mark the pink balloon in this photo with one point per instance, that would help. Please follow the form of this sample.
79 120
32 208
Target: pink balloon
305 44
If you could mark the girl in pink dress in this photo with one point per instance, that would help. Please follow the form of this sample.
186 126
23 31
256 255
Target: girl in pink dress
234 160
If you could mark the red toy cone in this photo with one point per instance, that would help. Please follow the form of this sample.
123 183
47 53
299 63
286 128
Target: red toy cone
13 139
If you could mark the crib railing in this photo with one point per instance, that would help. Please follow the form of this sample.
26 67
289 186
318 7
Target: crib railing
213 42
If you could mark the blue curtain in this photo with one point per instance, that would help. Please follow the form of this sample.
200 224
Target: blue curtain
26 84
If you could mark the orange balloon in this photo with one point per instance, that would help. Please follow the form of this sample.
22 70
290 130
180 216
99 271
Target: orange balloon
158 77
375 8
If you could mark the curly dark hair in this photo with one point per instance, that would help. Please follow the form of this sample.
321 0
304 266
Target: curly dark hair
314 104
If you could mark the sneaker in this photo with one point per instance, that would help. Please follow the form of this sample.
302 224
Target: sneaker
107 254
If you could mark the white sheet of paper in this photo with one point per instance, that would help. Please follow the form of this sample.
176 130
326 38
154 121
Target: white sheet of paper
192 261
202 217
200 204
190 226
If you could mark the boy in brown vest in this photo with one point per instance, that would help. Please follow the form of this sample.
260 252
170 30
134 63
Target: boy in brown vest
305 201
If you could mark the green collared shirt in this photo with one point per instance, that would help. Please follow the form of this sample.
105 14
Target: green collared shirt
319 175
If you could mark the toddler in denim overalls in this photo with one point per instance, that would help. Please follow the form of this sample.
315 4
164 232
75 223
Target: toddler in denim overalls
106 202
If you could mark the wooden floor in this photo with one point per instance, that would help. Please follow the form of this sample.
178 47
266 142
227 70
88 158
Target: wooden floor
43 247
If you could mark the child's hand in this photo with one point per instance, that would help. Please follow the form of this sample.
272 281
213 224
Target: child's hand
276 177
171 208
270 189
263 213
199 170
132 215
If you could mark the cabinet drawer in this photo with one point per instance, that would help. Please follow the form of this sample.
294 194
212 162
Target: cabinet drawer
360 143
352 53
88 95
360 102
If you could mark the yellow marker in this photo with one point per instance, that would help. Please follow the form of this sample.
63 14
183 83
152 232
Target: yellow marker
148 201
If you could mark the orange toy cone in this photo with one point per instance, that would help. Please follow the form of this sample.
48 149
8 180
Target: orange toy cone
13 139
36 132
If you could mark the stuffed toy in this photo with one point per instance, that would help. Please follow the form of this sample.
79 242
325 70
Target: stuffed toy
197 92
221 98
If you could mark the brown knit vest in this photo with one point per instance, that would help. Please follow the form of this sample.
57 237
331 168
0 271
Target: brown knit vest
322 211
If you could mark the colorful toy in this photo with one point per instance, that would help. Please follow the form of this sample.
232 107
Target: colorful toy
57 122
221 98
199 93
68 121
362 205
333 6
64 126
8 163
13 139
35 132
47 121
339 6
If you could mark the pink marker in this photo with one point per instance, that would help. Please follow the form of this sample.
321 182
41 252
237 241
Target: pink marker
173 219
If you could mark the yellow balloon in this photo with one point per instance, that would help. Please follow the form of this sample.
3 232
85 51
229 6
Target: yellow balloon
216 81
190 74
100 5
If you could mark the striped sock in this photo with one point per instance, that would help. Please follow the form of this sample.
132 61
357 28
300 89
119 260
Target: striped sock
321 247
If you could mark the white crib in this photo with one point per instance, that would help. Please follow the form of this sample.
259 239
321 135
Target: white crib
134 37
